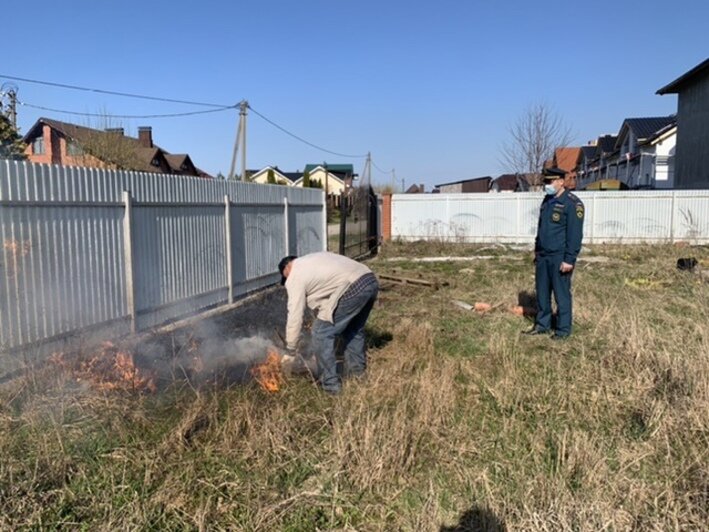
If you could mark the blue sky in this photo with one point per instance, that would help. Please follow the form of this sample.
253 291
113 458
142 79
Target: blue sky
429 88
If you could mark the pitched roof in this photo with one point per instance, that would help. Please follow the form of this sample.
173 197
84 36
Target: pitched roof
141 157
589 152
685 79
333 168
180 162
665 132
511 182
646 127
567 158
292 176
465 181
176 160
606 143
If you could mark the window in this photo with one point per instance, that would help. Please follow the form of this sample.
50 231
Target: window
38 146
72 148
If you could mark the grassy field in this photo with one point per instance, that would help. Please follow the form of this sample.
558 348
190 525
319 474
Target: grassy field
462 424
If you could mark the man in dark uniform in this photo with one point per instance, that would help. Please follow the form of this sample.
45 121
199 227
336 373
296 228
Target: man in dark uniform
556 247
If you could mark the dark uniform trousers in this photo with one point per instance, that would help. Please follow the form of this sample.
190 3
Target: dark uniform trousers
559 236
549 279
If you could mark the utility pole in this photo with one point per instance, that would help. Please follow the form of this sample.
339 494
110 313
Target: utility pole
242 118
393 180
240 142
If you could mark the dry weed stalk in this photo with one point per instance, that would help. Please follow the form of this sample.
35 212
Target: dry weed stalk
460 423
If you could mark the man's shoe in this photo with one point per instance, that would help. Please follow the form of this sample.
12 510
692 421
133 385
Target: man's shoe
534 332
559 336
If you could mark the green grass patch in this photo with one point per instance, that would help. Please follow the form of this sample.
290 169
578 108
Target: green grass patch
462 423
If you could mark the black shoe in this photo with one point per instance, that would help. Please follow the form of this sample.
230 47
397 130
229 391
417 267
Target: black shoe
534 332
559 336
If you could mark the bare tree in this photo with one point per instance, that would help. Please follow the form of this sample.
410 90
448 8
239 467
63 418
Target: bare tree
103 143
534 136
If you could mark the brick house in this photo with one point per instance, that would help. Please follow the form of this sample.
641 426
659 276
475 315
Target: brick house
54 142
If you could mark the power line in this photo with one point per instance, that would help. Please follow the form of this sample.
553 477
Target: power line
382 171
113 93
284 130
99 115
219 107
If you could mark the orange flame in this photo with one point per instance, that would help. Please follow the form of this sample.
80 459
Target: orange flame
269 374
111 369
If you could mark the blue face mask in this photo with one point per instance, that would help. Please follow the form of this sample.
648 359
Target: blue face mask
549 190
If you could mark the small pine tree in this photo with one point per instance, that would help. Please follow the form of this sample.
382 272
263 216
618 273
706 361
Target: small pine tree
306 180
11 145
271 177
316 183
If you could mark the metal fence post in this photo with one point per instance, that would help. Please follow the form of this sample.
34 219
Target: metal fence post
286 228
229 258
128 258
343 225
324 223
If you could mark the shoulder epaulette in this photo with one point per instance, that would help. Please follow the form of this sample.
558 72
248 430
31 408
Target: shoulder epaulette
574 198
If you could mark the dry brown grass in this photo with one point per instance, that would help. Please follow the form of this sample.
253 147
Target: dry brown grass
461 423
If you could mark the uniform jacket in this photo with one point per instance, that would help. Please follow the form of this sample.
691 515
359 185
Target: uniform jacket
560 228
318 280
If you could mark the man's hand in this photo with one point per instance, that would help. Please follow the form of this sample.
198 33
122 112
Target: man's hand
566 267
291 351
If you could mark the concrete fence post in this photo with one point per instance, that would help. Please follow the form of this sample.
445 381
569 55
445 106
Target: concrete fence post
228 250
594 200
128 259
672 218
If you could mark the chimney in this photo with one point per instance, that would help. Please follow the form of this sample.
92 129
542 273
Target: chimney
116 130
145 136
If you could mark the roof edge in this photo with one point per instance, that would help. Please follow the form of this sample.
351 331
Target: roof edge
674 87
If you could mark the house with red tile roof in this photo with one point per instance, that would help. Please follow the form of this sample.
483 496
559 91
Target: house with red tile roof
54 142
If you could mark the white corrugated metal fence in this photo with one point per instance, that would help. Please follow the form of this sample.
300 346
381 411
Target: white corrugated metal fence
84 248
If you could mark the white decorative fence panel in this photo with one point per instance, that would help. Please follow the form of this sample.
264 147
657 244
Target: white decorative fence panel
620 217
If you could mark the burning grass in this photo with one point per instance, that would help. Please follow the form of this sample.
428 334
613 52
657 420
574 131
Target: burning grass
269 374
460 424
109 368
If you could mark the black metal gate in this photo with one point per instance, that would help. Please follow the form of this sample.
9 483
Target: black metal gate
359 222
